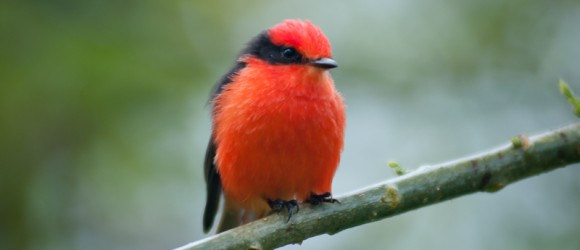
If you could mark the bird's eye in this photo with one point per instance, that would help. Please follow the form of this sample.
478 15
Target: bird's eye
289 53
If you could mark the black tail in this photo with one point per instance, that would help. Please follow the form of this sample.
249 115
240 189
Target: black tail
213 184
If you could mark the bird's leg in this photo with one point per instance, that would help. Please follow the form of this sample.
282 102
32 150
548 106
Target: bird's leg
316 199
278 204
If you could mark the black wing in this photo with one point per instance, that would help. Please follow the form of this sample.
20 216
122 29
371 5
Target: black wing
212 177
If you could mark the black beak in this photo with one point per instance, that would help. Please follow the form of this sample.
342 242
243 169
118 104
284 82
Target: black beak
325 63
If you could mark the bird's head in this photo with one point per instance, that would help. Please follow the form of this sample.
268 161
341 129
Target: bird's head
292 42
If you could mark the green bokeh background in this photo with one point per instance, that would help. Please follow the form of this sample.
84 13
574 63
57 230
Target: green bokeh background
103 116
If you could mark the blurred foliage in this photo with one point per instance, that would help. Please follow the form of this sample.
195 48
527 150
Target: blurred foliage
75 76
103 123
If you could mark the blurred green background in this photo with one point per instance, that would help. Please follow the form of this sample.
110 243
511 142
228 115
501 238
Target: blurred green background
103 116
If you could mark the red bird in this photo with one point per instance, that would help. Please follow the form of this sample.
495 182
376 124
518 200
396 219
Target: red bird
278 127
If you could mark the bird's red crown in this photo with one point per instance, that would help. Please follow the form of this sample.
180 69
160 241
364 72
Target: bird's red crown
303 36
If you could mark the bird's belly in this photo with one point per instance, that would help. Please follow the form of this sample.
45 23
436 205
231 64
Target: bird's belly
282 151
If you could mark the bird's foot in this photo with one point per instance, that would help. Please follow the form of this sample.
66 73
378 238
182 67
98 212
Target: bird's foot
279 204
316 199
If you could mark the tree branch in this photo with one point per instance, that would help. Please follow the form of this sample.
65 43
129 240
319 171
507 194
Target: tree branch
490 172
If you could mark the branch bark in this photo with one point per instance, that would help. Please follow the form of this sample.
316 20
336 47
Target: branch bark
488 172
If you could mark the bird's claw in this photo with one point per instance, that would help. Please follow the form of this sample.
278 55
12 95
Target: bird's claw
279 204
316 199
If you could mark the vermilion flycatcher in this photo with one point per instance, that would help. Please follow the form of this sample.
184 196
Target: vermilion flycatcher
278 127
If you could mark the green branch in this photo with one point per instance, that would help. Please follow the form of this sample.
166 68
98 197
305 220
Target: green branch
489 172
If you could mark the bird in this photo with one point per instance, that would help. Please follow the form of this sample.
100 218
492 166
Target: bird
277 127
